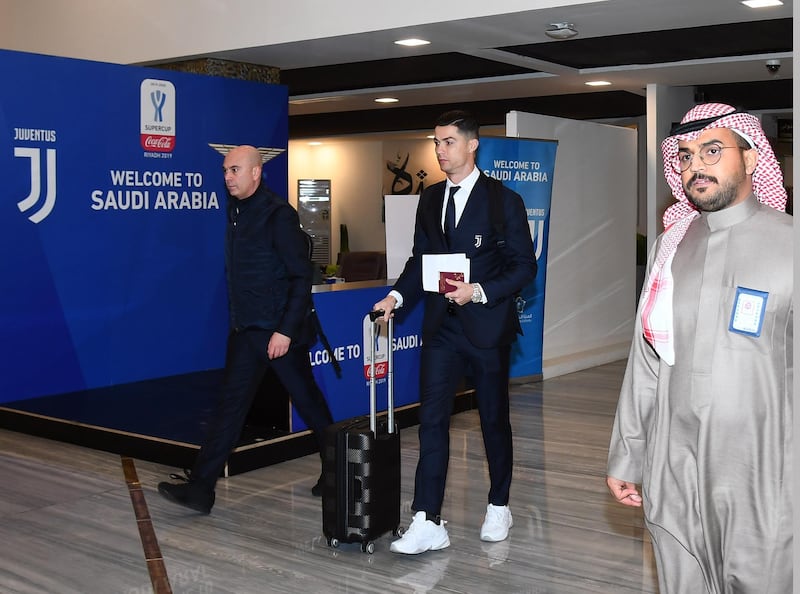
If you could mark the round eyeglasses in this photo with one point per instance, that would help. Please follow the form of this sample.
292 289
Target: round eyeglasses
709 155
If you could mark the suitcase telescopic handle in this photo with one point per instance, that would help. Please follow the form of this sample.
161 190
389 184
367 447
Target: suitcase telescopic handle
373 411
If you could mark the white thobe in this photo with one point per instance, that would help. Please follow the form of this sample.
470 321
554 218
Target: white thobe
710 438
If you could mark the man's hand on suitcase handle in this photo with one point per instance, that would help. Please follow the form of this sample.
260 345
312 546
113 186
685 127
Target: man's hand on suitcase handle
383 309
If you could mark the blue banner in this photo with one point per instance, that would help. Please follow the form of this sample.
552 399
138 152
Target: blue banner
527 167
343 315
112 218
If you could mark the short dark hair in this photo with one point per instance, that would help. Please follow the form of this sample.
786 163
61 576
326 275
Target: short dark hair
466 123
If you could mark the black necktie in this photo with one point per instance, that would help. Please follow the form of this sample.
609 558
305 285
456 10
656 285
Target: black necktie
450 215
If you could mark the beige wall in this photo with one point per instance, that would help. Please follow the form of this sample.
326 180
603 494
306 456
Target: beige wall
354 168
417 158
359 178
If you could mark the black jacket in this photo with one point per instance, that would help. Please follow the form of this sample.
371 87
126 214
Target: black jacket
268 270
502 272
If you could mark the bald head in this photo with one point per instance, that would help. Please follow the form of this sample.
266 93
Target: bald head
242 171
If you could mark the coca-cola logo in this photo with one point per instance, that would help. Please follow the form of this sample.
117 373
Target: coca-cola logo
162 144
381 369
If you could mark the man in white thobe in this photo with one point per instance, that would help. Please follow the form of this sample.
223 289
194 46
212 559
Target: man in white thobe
704 419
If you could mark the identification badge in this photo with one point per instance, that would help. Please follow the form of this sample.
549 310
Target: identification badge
747 316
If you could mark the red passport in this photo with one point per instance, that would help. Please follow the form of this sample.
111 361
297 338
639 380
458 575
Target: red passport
446 287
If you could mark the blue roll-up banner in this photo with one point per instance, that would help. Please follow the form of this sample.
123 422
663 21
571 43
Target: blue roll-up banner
112 222
527 167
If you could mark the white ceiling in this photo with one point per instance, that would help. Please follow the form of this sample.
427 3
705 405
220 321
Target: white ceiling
306 33
476 37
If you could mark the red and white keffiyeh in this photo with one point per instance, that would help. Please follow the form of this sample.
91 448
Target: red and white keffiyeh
767 186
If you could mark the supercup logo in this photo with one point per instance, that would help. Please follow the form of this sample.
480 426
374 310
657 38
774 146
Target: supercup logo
157 115
381 348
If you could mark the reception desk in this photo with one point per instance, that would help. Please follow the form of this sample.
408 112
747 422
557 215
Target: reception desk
164 419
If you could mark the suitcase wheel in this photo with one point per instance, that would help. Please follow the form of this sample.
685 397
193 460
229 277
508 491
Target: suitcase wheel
333 542
368 547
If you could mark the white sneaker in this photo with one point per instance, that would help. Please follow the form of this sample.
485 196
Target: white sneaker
422 535
497 523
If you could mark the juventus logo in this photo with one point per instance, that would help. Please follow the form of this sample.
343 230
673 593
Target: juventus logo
34 154
537 232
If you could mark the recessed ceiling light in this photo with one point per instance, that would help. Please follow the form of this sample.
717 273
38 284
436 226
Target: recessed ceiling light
314 143
412 42
598 83
386 100
762 3
561 30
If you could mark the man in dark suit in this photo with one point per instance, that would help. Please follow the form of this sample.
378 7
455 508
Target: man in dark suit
468 329
269 276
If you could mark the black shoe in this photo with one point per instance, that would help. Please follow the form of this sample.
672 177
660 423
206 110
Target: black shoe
316 490
188 495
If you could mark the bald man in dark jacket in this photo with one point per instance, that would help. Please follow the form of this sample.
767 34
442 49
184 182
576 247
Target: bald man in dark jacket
269 277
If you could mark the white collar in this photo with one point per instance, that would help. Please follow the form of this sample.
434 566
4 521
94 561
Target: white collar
466 184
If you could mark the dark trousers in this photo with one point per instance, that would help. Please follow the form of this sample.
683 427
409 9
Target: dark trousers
444 362
246 362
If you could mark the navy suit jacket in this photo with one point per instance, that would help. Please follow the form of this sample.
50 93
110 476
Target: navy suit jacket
501 271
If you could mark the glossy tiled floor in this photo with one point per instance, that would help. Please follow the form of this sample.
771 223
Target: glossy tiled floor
67 523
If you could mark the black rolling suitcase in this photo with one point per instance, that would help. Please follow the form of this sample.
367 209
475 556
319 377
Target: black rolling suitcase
361 469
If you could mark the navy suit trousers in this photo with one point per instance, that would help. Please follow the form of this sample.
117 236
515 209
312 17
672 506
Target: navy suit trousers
445 360
246 363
